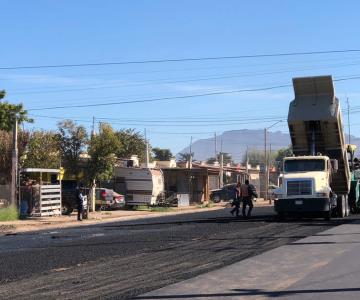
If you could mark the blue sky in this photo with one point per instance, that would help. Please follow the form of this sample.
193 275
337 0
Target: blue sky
71 32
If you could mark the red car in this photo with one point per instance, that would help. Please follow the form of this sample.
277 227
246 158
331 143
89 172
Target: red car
108 199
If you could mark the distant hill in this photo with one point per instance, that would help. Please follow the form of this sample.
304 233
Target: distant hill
236 142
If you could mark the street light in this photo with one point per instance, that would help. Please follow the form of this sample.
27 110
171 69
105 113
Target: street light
267 160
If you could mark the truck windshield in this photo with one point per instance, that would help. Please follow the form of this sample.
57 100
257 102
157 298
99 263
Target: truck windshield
298 165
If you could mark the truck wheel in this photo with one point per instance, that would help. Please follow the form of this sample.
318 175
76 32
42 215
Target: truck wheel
281 216
327 216
341 207
347 206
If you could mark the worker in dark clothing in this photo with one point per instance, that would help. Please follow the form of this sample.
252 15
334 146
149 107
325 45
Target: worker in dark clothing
236 201
247 193
80 202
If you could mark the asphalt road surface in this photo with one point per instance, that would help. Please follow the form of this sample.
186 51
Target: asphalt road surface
123 259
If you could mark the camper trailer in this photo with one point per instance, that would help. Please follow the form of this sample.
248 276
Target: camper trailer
141 186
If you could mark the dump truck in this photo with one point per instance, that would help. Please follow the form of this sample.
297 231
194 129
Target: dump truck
322 176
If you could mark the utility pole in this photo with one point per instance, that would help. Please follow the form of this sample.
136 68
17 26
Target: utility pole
266 159
190 154
147 150
14 164
190 173
247 160
221 164
265 164
221 169
93 186
348 115
268 173
215 147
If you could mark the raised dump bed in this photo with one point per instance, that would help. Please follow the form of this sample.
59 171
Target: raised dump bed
315 125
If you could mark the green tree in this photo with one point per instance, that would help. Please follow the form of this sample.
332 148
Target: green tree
102 149
257 157
8 113
281 154
131 143
162 154
6 147
42 151
186 156
254 157
73 140
226 157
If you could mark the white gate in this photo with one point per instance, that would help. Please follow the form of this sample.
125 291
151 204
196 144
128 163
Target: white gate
50 200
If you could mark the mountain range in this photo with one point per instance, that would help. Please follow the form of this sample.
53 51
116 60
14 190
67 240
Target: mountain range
236 142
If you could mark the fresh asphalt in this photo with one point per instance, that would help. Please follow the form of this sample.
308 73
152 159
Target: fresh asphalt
323 266
125 259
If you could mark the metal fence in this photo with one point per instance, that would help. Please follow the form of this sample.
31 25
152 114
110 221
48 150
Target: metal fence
40 200
4 195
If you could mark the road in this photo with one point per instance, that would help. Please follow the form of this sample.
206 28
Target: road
124 259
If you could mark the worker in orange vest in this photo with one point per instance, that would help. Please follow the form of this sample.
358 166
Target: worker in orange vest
247 193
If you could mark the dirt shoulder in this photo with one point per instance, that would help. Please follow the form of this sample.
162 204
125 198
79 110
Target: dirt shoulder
58 222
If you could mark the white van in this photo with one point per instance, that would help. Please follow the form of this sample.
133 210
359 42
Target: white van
143 186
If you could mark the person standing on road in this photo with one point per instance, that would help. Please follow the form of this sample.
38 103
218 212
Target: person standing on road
248 192
236 201
80 202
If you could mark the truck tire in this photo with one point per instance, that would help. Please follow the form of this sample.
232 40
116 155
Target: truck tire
347 206
281 216
328 214
341 207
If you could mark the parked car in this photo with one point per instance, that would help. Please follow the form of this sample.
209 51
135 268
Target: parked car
271 191
105 198
108 199
226 193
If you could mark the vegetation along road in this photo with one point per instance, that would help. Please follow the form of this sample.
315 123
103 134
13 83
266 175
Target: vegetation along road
124 259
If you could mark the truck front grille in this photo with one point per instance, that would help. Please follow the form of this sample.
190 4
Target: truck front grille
299 187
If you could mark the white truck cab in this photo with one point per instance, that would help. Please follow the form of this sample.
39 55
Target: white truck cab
306 176
305 185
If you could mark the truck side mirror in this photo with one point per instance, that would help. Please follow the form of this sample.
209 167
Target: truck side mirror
334 165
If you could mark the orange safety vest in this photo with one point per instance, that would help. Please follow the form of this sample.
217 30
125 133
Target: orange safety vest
244 190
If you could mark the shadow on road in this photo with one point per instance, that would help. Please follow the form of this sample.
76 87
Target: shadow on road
251 292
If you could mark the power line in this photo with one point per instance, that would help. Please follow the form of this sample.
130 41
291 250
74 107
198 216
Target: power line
180 60
232 66
169 122
353 77
172 81
161 99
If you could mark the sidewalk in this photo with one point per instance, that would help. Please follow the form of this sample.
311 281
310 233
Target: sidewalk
324 266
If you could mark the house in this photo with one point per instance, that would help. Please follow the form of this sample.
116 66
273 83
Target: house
198 181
